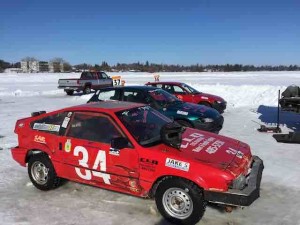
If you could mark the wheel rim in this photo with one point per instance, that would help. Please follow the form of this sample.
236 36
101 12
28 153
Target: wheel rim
178 203
39 173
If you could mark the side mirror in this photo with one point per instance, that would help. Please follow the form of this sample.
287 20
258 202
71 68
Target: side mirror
119 143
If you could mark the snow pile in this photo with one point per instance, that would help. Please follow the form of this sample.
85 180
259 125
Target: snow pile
73 203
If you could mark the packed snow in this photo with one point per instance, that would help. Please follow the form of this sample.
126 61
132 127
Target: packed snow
252 99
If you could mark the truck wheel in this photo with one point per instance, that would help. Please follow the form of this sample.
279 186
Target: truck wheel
87 90
180 201
70 92
184 123
41 172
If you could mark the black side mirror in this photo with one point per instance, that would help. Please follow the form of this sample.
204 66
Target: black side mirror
119 143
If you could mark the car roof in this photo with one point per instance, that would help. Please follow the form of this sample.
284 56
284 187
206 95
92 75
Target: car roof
166 82
137 87
105 106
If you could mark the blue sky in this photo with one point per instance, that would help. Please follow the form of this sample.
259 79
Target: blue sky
161 31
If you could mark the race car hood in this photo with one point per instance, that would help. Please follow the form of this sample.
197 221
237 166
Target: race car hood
216 150
193 110
204 96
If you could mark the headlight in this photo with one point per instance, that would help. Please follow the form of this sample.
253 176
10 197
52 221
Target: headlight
207 120
239 183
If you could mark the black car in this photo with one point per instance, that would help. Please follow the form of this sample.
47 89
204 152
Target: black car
186 114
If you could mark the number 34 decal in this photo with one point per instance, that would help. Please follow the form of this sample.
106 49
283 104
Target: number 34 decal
100 162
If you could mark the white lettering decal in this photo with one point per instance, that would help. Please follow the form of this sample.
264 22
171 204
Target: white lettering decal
182 112
100 162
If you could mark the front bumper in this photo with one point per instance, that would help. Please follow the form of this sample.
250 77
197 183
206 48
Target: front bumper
215 126
219 106
243 197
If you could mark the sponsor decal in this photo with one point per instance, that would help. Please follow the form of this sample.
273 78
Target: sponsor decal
66 122
186 141
40 139
68 145
237 153
46 127
114 151
180 97
182 113
148 164
176 164
21 125
203 97
214 147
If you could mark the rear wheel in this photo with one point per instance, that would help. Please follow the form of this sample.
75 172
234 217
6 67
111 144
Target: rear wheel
41 172
87 90
180 201
184 123
71 92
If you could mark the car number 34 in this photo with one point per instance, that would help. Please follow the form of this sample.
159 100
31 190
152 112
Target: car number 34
99 164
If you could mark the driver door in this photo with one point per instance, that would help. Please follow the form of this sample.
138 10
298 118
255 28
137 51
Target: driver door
88 151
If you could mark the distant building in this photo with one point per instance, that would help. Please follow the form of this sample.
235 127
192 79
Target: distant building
56 67
34 66
13 70
43 66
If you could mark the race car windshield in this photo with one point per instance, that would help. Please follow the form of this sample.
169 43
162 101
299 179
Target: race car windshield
144 124
162 97
190 89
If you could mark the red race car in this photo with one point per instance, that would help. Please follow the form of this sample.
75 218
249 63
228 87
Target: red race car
132 148
188 94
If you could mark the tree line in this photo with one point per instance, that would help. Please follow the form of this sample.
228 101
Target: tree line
154 67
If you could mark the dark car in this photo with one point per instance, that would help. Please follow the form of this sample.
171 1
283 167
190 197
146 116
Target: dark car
186 114
187 93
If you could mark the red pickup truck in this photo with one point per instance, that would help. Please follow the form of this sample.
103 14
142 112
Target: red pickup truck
133 149
86 82
188 94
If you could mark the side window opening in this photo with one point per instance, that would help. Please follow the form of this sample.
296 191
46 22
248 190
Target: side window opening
134 96
93 127
178 89
108 95
55 124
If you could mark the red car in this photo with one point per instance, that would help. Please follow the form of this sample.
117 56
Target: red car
188 94
132 148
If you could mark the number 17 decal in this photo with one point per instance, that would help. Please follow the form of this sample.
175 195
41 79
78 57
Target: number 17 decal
100 162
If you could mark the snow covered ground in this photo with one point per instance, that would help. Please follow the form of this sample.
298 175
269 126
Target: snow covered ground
251 97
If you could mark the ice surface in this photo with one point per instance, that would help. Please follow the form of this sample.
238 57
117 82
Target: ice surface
250 96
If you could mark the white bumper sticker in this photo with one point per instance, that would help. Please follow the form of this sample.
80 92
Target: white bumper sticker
176 164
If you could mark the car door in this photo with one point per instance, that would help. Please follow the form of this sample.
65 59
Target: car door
88 152
106 80
181 93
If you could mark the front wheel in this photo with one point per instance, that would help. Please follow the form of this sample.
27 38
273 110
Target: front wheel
87 90
41 172
180 201
184 123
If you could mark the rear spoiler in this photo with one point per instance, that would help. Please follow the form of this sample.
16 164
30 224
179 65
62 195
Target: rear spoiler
37 113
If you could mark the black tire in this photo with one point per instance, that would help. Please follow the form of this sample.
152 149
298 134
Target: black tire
87 90
175 193
184 123
71 92
37 166
205 104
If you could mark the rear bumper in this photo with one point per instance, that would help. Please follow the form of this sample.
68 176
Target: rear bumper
19 155
243 197
74 88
